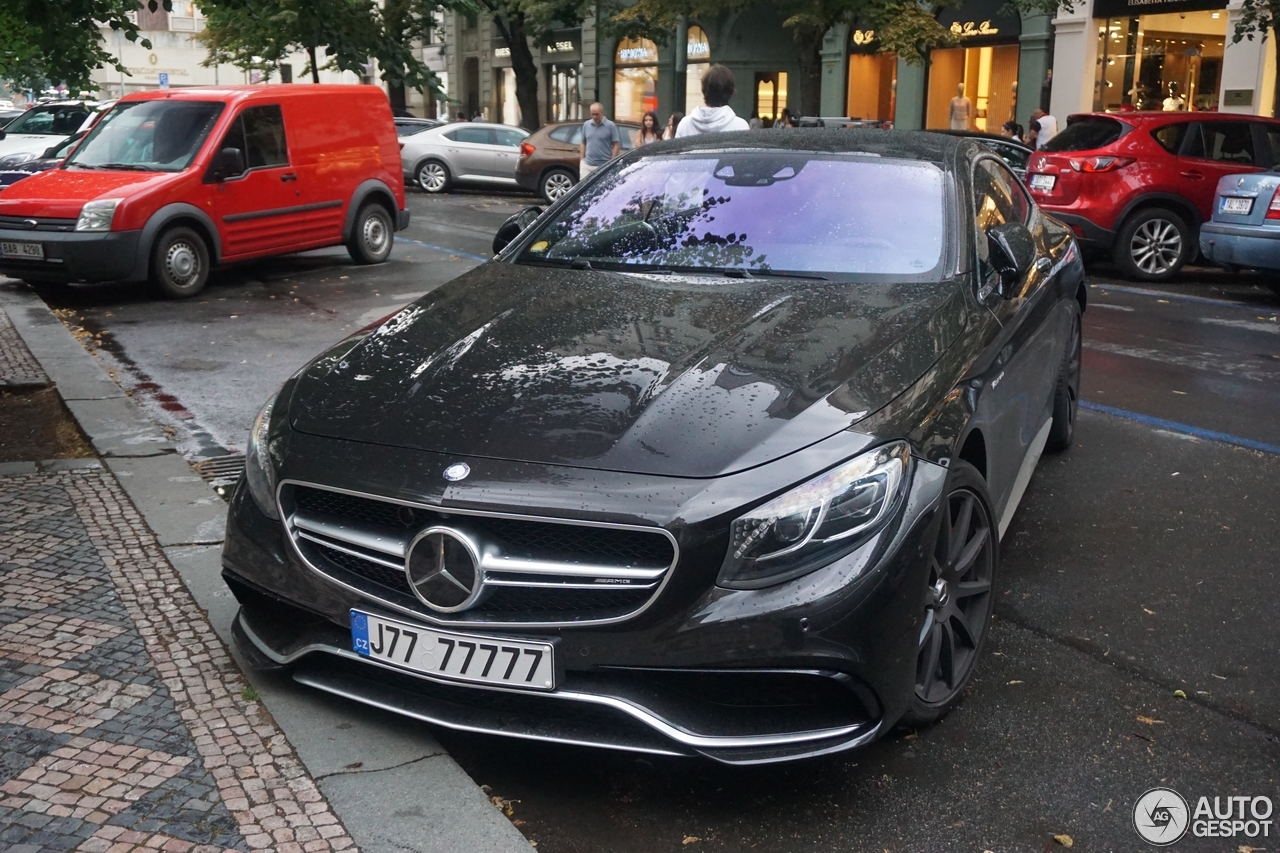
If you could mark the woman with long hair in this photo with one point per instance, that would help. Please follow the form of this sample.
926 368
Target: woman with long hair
673 122
649 129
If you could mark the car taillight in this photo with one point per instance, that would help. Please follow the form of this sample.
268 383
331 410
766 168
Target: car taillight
526 150
1273 210
1100 164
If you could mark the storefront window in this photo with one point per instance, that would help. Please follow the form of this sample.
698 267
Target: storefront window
564 103
635 79
873 78
508 106
1170 62
771 96
973 88
698 57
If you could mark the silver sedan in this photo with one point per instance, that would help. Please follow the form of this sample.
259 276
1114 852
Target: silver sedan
468 152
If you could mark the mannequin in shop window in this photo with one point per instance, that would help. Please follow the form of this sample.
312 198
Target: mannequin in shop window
1174 102
961 110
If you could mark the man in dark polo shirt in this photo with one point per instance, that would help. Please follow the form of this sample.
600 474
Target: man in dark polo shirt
600 142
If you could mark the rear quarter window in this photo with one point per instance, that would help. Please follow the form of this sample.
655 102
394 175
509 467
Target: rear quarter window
565 134
1170 136
1086 134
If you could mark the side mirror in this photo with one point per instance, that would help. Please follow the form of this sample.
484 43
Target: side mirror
513 227
1011 250
227 163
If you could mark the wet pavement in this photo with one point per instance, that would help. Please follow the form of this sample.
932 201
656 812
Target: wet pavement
1140 566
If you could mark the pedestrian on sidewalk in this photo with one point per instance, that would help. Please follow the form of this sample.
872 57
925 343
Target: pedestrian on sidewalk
648 129
717 116
673 121
600 142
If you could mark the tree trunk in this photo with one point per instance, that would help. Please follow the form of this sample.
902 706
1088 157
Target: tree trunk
315 67
395 93
512 28
809 40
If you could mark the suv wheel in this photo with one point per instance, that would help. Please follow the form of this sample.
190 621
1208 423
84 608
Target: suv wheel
1153 244
556 183
433 176
179 263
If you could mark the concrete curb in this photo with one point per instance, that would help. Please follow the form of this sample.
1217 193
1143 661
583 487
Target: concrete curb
385 776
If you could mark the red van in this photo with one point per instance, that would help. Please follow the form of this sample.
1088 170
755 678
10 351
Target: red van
173 181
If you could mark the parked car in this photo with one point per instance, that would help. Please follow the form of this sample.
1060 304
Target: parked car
6 116
41 126
548 162
469 152
672 458
171 182
1012 151
1139 185
1245 229
17 167
408 126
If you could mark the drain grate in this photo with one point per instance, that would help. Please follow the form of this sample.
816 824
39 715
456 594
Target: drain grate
221 472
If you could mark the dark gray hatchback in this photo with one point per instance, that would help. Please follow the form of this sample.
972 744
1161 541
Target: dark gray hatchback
713 458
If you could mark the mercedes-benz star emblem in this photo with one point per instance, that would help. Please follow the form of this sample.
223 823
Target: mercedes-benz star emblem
443 567
457 471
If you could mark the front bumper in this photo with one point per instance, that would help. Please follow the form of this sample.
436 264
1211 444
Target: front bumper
1234 246
402 220
816 665
75 256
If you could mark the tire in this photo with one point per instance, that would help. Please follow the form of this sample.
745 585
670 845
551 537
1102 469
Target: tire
1274 286
555 183
179 263
1066 395
372 235
1153 244
433 176
958 597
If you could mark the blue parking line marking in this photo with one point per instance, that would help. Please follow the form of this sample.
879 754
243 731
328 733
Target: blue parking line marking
447 251
1176 297
1185 429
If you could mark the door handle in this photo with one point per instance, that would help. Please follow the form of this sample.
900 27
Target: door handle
288 176
1193 175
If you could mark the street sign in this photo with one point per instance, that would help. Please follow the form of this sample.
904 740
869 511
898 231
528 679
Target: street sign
164 80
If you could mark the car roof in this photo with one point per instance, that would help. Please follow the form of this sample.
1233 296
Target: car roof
890 144
985 137
241 94
1146 116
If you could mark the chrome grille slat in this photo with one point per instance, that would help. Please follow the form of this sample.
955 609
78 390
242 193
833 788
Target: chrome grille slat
543 571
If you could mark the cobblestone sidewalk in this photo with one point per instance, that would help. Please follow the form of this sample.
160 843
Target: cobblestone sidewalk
18 368
125 724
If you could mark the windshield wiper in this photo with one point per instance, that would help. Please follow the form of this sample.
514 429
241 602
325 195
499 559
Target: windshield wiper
126 167
739 272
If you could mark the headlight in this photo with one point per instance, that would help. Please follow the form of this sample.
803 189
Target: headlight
97 215
14 159
813 524
259 473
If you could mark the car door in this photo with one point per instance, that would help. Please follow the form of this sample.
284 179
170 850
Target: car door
507 142
1213 150
470 151
257 208
1019 385
562 145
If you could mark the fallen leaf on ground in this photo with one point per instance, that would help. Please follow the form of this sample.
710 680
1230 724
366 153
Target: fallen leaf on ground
1148 720
1148 612
691 839
1015 681
353 765
1064 840
1179 694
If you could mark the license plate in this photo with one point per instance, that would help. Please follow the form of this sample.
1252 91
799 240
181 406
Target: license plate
22 250
1044 183
475 658
1237 206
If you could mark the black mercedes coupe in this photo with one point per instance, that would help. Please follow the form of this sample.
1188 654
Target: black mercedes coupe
713 458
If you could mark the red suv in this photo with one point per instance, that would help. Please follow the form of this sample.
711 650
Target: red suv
1140 184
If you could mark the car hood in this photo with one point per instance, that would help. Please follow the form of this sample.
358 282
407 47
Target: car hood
657 374
60 193
29 143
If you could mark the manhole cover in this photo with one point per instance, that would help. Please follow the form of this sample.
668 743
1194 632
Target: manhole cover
221 472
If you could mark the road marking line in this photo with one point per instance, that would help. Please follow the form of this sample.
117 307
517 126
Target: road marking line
1249 325
1112 307
1185 429
447 251
1179 297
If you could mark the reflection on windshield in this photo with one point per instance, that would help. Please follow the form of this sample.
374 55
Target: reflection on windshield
150 136
764 211
50 121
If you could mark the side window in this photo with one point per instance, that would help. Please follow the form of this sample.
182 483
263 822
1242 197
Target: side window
1170 136
1229 141
564 134
1273 141
259 133
508 138
475 135
1016 157
997 197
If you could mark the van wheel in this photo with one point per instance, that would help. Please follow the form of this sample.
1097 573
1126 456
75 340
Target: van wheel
372 236
1153 244
179 263
556 183
433 176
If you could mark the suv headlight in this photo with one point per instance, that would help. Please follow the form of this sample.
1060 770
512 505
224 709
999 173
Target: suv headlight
97 215
259 473
815 523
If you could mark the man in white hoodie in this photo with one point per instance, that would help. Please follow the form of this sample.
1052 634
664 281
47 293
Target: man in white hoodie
718 87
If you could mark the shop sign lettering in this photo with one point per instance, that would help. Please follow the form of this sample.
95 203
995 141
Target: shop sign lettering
502 51
861 37
636 54
560 47
698 50
969 29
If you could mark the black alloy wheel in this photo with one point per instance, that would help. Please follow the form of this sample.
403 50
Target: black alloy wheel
180 263
1066 395
372 235
959 597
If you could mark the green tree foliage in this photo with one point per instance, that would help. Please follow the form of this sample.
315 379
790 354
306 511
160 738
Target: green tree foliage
903 26
60 41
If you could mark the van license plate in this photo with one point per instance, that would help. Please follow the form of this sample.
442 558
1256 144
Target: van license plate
1237 206
1043 183
33 251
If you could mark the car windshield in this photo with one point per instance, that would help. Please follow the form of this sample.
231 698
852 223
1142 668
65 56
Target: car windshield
755 211
150 136
49 121
1086 134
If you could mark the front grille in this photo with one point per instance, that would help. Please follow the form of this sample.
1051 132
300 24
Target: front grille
42 223
537 571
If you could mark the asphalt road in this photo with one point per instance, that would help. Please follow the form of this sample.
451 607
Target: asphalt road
1141 563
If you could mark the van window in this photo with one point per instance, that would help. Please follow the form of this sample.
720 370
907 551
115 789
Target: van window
147 136
259 133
